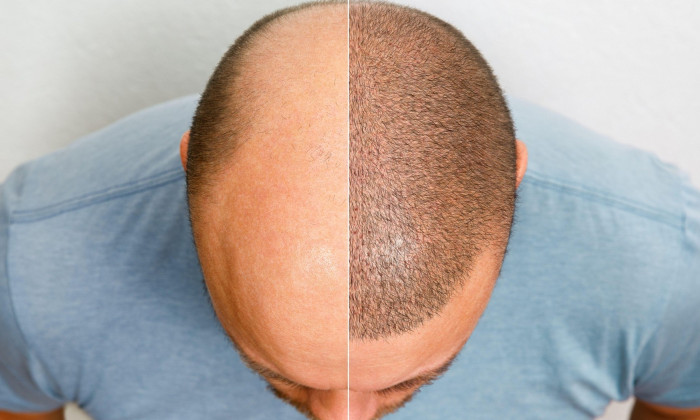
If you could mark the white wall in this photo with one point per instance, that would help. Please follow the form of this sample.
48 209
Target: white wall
626 68
70 67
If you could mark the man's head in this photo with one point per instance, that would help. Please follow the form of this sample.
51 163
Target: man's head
351 178
267 187
433 174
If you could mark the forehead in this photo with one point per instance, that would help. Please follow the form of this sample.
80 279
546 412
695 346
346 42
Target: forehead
274 236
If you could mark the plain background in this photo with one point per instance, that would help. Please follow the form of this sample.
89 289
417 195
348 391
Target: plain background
627 69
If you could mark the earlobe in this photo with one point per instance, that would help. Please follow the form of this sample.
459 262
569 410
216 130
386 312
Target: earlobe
521 161
184 144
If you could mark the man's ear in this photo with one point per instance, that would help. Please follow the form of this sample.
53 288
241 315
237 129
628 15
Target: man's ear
184 144
520 161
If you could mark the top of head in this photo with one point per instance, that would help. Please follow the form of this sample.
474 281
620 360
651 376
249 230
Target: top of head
432 166
431 148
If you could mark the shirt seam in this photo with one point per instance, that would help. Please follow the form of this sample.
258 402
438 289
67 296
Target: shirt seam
31 352
667 301
121 190
634 207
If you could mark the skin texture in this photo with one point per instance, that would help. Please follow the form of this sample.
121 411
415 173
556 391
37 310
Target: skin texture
273 238
54 415
646 411
273 241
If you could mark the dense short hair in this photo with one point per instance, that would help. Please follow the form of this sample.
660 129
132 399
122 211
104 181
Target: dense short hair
432 166
221 117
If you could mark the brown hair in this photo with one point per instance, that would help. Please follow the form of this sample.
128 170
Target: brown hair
432 158
432 166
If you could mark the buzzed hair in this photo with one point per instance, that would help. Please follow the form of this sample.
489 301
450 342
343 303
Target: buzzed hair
431 155
432 166
221 115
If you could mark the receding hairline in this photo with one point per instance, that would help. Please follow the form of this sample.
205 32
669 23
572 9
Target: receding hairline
257 34
221 114
278 16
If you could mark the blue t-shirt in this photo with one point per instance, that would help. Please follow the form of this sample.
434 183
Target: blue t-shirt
102 301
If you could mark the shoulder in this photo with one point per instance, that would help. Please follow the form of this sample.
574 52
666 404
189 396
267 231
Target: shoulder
137 151
94 239
611 210
605 248
602 218
575 160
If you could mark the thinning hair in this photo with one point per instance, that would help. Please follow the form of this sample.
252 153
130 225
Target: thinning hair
432 166
223 112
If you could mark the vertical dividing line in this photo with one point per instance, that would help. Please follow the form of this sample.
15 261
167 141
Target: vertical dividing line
349 206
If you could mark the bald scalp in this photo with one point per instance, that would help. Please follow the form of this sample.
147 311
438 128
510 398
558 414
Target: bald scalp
229 103
432 166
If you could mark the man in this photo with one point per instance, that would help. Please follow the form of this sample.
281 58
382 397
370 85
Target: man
348 274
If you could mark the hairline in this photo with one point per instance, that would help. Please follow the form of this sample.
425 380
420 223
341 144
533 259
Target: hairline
235 58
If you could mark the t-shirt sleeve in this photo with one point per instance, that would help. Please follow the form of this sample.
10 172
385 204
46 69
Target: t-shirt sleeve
668 369
23 382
